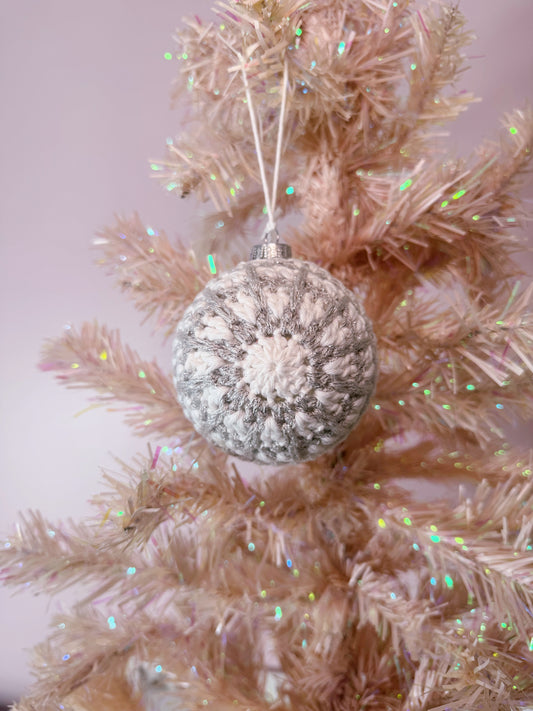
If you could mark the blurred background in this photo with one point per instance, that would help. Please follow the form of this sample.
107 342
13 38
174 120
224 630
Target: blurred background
84 104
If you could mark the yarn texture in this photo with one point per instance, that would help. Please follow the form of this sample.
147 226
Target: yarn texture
274 361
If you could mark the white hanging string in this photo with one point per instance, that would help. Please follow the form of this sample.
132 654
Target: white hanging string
270 202
253 120
279 143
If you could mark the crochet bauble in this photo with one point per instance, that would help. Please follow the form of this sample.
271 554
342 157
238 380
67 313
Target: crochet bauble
274 361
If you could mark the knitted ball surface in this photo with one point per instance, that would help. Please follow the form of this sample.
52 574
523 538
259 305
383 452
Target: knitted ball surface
274 361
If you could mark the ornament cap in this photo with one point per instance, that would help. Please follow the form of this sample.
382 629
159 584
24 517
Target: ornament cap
271 250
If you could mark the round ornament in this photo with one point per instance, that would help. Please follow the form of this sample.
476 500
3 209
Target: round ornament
274 361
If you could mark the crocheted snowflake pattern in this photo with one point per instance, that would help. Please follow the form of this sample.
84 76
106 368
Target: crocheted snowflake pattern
274 361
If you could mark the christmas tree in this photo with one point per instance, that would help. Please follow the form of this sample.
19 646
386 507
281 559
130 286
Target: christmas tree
327 584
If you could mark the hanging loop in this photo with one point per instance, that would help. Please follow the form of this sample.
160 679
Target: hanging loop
271 245
270 197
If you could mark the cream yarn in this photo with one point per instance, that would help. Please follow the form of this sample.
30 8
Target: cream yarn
274 361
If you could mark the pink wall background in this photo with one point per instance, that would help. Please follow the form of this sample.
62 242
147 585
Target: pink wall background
84 90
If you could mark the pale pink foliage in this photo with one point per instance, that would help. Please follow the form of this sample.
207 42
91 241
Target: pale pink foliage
325 586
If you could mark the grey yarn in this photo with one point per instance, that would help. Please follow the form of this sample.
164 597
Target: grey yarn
274 361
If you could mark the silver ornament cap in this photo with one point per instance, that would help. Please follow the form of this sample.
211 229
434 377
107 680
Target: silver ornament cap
271 250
